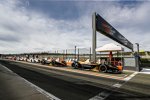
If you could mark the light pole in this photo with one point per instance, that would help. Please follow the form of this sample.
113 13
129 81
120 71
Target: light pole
137 48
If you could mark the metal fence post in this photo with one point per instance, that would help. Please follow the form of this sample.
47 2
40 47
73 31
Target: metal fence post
63 54
90 54
78 54
75 52
66 53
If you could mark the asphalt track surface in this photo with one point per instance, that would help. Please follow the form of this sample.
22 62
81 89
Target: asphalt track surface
71 86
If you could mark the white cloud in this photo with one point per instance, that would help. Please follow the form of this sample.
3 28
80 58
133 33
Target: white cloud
133 23
22 30
29 31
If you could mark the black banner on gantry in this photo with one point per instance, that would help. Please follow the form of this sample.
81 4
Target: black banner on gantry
106 29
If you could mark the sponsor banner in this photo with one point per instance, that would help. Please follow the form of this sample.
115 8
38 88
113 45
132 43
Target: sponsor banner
130 62
106 29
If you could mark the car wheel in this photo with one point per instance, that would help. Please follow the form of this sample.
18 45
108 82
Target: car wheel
76 65
73 65
103 68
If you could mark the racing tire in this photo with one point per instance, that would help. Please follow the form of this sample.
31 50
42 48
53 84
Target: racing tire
53 63
76 65
73 65
103 68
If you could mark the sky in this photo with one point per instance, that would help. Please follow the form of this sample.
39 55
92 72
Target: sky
44 25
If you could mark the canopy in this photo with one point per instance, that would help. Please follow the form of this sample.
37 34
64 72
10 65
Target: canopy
109 47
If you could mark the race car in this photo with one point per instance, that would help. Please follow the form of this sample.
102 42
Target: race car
59 62
83 65
100 67
110 68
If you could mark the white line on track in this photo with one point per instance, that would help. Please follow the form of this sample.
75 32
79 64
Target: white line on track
100 96
145 71
103 95
6 68
130 77
117 85
48 95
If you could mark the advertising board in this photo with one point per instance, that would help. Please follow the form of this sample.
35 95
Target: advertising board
106 29
130 62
